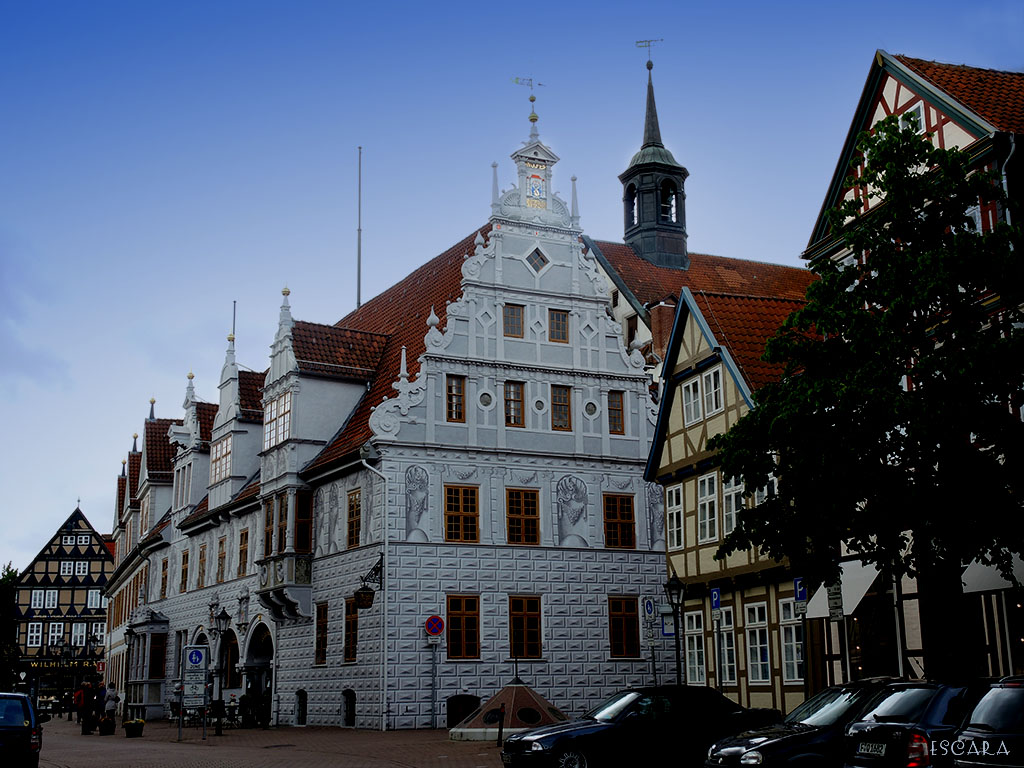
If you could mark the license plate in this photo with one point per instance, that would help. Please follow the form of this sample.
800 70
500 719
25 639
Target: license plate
506 758
870 748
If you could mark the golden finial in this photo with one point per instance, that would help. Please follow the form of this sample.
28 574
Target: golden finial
286 291
135 435
231 337
152 401
190 376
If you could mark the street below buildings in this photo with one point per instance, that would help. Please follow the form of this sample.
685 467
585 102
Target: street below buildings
64 746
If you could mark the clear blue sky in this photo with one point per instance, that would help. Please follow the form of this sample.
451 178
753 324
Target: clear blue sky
161 159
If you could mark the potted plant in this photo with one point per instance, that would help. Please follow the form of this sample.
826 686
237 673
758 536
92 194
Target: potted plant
106 725
133 728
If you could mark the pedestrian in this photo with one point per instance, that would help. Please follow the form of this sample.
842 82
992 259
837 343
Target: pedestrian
110 700
85 711
79 700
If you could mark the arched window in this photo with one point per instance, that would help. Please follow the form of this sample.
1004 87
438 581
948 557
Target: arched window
632 207
668 201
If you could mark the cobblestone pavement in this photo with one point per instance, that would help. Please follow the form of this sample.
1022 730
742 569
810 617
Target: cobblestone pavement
65 747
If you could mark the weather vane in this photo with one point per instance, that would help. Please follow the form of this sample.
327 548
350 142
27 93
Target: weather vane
647 44
526 81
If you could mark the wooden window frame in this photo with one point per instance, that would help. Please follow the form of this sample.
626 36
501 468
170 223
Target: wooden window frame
222 556
459 524
674 517
791 637
726 635
455 398
515 404
758 637
624 626
711 386
522 513
201 567
463 623
37 599
282 522
268 527
243 552
34 637
220 460
695 651
561 408
351 630
320 636
52 599
692 402
617 412
707 508
354 518
164 568
183 577
513 316
558 326
619 521
732 503
525 633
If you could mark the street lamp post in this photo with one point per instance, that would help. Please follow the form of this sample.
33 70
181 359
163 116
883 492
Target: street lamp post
221 621
675 591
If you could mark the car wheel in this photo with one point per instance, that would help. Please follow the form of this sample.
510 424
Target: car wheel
571 758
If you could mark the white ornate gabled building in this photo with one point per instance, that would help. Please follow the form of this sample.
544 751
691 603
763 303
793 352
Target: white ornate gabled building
468 445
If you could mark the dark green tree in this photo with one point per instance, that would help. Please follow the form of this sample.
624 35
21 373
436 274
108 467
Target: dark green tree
9 653
895 432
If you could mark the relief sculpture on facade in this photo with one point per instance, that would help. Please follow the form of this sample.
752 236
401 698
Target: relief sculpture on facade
571 495
417 487
656 515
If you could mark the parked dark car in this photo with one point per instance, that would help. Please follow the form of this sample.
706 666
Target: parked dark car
993 734
21 731
901 725
810 735
636 724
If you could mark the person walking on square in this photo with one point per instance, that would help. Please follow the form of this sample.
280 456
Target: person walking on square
110 700
78 700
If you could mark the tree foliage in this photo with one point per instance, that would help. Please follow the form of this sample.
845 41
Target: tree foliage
9 654
896 428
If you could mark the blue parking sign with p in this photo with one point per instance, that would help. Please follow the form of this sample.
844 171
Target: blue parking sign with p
799 590
716 598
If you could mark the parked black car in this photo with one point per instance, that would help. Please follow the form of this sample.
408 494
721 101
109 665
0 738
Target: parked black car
810 735
21 731
901 725
993 734
637 724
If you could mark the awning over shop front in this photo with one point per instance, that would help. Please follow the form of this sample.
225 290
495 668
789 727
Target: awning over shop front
986 578
856 580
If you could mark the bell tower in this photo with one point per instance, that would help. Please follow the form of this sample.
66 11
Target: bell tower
654 199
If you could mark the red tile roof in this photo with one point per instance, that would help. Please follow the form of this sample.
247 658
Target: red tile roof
197 514
206 412
122 486
328 350
110 544
154 534
159 449
400 313
249 491
718 274
250 394
997 97
743 325
134 468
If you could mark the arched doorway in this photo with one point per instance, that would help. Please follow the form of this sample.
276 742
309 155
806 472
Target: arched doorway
259 678
227 662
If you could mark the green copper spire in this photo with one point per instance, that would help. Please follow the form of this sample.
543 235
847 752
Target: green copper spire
652 150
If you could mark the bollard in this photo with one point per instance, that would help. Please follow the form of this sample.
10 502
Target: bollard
501 724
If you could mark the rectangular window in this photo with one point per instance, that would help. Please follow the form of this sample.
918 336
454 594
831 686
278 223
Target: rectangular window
56 633
727 657
355 516
282 521
693 631
78 634
82 568
222 556
243 551
524 626
67 567
761 495
713 391
558 326
523 512
624 627
619 524
163 578
732 503
277 420
268 527
616 413
51 598
456 398
512 320
758 650
201 568
463 626
183 583
561 408
674 516
351 629
461 513
792 632
35 634
514 404
93 599
691 401
37 598
320 643
220 460
84 539
68 540
303 522
707 509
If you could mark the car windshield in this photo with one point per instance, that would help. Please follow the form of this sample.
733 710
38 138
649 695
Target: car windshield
13 711
900 705
613 707
828 707
1002 710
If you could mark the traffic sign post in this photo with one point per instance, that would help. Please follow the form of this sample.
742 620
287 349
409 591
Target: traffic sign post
434 627
799 597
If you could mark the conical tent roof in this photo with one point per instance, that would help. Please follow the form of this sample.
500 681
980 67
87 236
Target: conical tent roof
524 709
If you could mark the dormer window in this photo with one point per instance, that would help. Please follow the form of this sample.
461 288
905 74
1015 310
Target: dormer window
220 460
277 420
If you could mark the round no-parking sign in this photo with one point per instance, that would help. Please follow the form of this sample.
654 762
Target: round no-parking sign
434 626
